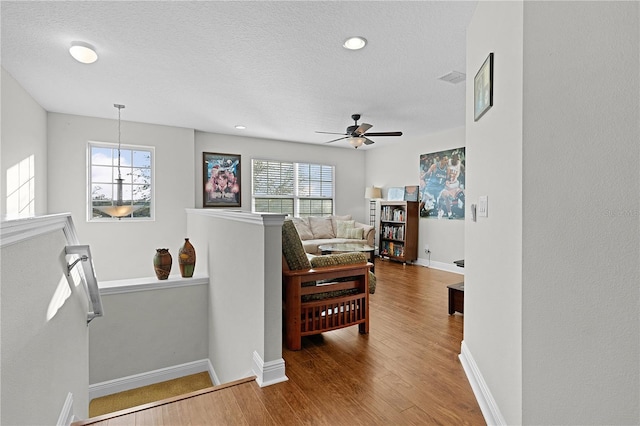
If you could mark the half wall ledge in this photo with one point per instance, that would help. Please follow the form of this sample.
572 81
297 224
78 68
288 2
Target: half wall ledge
149 283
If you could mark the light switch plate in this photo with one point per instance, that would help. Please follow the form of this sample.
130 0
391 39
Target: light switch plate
483 206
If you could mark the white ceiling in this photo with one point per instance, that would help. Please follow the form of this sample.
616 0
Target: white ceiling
278 68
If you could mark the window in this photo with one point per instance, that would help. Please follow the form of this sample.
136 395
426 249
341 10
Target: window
297 189
136 170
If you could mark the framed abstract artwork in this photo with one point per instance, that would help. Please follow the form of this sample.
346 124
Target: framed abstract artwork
395 193
483 89
221 187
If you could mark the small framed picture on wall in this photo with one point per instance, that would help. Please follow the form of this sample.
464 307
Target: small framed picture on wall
483 89
395 194
411 193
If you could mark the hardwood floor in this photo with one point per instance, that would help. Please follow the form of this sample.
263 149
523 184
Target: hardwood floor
405 371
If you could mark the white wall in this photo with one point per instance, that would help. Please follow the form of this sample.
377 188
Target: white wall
149 330
44 333
349 163
24 134
122 249
128 251
493 245
399 165
581 213
551 276
243 256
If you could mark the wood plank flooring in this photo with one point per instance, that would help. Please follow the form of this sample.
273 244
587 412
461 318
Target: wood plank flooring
404 372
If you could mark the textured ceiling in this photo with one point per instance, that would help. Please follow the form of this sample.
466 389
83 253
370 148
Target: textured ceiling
278 68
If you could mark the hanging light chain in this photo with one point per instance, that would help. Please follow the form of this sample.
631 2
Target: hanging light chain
119 109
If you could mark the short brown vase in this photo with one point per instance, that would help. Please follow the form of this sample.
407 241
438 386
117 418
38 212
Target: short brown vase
162 263
187 259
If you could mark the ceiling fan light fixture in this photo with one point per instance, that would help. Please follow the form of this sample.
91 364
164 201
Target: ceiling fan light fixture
355 43
356 141
83 52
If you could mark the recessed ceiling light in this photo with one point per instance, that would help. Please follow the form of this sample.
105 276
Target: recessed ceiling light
355 43
83 52
240 127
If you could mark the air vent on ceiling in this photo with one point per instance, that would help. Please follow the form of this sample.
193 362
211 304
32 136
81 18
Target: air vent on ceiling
454 77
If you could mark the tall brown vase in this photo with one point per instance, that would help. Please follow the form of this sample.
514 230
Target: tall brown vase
162 263
187 259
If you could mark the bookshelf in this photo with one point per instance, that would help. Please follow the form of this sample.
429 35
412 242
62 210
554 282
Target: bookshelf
399 230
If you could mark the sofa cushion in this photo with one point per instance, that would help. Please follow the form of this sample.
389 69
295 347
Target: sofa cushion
302 226
343 226
338 259
321 227
292 248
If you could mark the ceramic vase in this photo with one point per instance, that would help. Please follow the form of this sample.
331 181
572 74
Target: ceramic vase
187 259
162 263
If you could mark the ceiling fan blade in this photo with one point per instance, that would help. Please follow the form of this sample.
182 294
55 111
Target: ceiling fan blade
363 128
331 133
339 139
368 141
384 134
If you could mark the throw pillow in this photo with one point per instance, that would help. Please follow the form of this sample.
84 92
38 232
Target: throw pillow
354 234
302 226
343 227
321 227
335 219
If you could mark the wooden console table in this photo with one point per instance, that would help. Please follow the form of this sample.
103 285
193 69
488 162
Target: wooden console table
456 298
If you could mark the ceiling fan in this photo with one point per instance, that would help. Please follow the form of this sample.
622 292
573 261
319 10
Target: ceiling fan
357 134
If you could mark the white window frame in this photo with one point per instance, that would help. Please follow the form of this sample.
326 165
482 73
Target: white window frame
111 145
296 197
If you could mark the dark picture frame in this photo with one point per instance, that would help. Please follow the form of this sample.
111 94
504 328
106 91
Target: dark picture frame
221 186
483 89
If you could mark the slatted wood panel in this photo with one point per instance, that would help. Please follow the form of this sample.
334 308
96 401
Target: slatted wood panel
329 315
405 371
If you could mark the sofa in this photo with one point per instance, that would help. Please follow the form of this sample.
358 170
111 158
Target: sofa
315 231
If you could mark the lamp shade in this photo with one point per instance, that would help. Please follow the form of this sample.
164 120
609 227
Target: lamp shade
118 211
372 193
356 141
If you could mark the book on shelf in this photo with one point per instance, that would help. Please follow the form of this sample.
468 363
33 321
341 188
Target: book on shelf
390 248
390 213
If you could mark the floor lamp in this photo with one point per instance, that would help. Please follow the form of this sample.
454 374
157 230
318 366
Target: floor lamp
372 194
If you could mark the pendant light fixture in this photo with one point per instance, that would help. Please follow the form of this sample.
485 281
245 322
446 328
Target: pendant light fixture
117 209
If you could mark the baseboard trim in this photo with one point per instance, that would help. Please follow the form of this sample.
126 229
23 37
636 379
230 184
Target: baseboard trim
268 373
449 267
487 403
151 377
66 415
